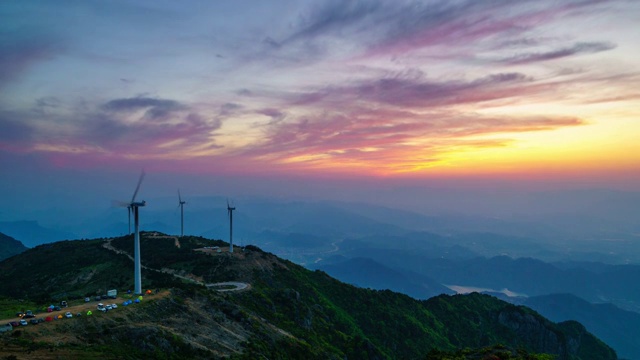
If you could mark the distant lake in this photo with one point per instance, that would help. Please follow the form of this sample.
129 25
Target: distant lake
469 289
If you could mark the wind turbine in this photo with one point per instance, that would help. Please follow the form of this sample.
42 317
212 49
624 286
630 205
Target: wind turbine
230 213
129 213
133 207
181 205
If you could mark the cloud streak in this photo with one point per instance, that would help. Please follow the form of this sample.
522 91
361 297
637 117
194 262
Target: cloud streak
116 129
576 49
422 93
391 139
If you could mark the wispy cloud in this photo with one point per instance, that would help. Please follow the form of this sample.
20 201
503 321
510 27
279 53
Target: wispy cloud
378 28
422 93
576 49
389 139
163 129
18 55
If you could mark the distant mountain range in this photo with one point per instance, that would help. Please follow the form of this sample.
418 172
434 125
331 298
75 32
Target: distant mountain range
31 233
327 222
388 262
367 273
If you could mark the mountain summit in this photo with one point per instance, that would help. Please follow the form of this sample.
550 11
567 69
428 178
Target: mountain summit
251 304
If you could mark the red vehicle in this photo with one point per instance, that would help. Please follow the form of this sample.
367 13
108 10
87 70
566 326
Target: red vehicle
48 319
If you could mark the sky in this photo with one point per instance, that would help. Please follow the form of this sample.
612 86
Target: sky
275 96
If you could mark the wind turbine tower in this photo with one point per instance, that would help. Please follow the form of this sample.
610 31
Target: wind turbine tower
137 275
181 205
129 213
230 213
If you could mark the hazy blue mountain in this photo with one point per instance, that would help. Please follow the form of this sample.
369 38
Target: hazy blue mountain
523 275
560 239
31 233
293 240
10 246
368 273
618 328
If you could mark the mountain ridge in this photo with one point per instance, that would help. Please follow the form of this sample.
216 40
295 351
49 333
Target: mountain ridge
10 246
288 312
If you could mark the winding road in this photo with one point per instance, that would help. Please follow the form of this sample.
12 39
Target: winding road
236 286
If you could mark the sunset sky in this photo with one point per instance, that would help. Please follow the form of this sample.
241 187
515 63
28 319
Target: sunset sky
321 89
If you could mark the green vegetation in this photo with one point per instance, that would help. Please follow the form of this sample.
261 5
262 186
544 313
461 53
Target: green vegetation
10 246
289 312
9 307
497 352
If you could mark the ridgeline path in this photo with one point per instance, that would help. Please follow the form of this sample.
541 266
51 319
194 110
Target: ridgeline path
236 286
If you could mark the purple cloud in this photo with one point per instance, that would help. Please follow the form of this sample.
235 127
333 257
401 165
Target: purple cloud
421 93
166 127
392 134
576 49
17 55
156 108
399 27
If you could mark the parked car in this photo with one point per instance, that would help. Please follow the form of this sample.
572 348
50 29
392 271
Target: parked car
19 314
34 322
109 307
24 322
57 308
14 323
114 306
68 314
87 299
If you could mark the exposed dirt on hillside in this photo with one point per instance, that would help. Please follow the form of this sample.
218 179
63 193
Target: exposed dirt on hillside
163 322
246 260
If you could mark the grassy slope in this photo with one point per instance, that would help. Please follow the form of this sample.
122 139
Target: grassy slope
10 246
290 312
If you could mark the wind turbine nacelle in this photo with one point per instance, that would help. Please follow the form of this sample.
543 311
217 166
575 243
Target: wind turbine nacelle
139 204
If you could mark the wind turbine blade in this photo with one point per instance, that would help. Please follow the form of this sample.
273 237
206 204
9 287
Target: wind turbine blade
179 197
133 199
119 203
